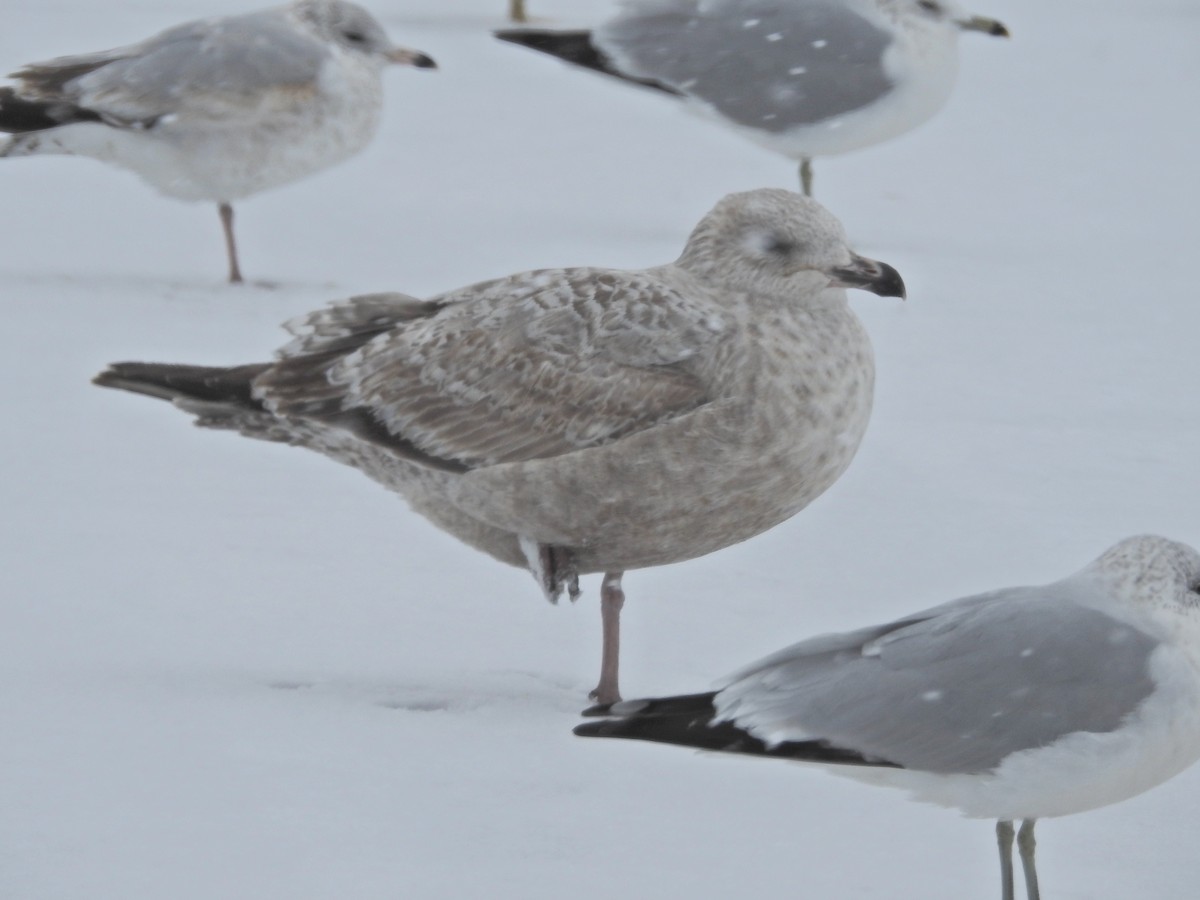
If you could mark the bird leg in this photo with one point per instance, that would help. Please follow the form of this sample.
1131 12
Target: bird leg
226 212
1004 838
612 598
516 11
1026 845
806 175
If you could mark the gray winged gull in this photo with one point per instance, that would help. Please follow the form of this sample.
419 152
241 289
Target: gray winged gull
216 109
803 78
1021 703
585 420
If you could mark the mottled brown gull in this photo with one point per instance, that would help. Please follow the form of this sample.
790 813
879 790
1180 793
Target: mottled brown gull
1021 703
803 78
217 109
585 420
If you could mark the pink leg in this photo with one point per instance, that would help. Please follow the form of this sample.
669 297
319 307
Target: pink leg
226 212
612 598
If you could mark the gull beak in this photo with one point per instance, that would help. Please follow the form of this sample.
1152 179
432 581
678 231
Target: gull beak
984 24
870 275
402 57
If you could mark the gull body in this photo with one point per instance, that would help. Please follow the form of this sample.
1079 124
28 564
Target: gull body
585 420
1022 703
218 109
805 78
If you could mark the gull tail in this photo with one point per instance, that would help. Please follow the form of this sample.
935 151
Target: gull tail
576 48
218 395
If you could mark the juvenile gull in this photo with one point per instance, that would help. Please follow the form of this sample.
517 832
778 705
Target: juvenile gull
217 109
804 78
1017 704
585 420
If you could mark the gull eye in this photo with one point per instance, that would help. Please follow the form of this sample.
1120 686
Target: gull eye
779 246
355 37
930 6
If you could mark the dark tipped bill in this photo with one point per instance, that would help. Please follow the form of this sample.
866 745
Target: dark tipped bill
402 57
869 275
984 24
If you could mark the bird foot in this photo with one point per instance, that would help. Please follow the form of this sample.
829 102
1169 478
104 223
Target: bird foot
605 694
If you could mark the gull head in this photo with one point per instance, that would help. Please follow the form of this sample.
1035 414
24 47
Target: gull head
773 241
355 30
1152 572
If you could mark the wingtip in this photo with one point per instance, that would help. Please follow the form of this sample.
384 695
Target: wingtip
111 376
603 728
520 36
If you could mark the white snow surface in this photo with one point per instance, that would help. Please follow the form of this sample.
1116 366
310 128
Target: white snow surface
235 670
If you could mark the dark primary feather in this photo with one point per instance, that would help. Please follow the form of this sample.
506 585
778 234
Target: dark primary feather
204 384
19 115
576 47
687 720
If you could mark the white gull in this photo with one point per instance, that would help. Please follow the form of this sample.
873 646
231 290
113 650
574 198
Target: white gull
1022 703
803 78
216 109
585 420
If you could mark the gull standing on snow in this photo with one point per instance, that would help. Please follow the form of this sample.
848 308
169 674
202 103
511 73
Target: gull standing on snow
585 420
1018 704
217 109
804 78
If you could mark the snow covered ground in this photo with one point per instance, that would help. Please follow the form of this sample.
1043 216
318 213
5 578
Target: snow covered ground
236 670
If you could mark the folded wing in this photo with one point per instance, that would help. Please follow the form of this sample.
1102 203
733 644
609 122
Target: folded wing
218 69
958 690
525 367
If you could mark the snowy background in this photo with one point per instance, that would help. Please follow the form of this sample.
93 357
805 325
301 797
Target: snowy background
237 670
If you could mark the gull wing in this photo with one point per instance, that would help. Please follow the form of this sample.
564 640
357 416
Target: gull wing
955 690
525 367
216 69
765 64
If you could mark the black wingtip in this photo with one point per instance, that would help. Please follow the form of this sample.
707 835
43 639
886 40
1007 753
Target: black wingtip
167 381
521 36
120 375
575 47
20 116
690 720
567 45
